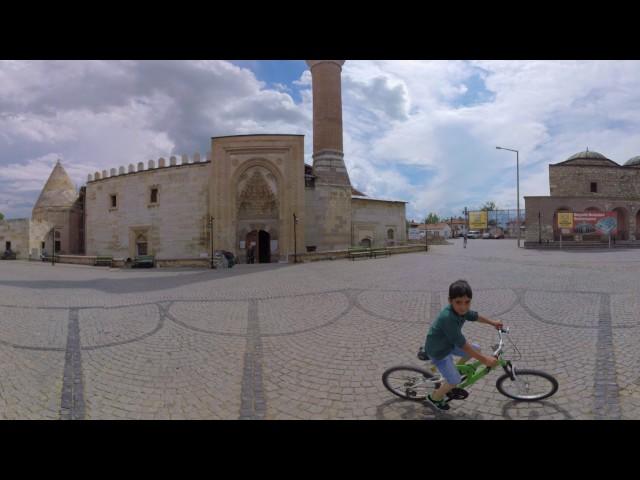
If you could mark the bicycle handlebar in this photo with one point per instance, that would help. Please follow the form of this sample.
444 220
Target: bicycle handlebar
501 341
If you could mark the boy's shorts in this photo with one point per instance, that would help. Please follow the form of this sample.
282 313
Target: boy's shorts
447 367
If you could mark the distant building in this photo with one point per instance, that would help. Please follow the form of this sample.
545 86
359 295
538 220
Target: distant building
586 182
442 230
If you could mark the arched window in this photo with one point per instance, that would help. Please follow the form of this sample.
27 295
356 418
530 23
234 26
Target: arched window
365 242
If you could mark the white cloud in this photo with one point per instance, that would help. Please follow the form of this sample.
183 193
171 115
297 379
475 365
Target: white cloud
547 110
422 131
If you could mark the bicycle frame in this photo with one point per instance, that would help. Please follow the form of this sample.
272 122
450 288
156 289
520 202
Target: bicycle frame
474 373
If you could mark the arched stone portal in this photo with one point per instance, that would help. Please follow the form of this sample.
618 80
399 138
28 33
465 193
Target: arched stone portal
258 215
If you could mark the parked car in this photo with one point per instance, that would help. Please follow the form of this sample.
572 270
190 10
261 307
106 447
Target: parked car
486 235
474 234
499 235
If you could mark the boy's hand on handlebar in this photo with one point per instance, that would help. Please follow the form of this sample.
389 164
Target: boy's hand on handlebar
490 361
498 324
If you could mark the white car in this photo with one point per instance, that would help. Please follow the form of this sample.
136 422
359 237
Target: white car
474 234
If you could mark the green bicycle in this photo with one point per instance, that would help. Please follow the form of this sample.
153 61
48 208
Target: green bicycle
413 383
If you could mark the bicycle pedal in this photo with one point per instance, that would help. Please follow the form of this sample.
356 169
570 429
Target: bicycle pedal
457 394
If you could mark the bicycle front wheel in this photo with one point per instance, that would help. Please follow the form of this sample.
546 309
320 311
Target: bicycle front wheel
410 383
528 386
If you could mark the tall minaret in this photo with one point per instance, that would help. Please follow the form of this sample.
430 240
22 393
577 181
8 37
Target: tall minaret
328 156
328 222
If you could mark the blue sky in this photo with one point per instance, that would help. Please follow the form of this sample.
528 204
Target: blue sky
420 131
276 73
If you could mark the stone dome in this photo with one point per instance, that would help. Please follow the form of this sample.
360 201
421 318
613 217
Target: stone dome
587 155
635 161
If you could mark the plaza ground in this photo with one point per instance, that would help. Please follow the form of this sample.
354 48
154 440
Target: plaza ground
310 341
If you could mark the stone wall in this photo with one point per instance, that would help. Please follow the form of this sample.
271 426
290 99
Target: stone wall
66 222
40 231
174 227
373 219
612 181
15 231
330 214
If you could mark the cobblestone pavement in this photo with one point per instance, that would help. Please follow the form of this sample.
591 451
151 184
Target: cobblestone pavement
311 341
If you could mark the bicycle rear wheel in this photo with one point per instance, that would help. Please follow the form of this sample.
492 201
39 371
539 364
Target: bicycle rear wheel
410 383
529 385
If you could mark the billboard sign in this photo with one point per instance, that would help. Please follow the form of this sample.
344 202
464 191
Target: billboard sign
477 220
565 220
604 223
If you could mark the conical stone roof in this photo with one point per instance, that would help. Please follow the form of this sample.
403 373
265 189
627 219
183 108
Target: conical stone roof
59 191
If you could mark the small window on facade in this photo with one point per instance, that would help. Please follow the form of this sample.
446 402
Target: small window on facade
42 246
57 246
390 234
57 234
141 245
154 195
114 201
594 187
7 246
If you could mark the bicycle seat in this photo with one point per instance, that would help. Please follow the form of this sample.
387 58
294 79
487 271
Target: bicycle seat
422 355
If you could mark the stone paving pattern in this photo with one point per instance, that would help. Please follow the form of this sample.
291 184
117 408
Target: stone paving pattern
311 341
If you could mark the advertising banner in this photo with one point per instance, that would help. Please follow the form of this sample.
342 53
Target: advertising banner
604 223
565 220
477 220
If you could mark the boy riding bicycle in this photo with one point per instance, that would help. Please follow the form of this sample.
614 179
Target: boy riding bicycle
445 339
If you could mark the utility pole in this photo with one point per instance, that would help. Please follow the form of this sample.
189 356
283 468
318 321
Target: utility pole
211 219
539 227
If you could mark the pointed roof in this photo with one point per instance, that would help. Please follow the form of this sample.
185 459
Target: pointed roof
59 191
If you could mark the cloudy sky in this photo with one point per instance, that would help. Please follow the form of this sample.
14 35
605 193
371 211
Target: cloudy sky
420 131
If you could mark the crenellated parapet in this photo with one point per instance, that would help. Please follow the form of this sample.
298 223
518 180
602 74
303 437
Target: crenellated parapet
151 165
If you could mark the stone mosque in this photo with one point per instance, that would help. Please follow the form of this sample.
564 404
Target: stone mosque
250 191
587 182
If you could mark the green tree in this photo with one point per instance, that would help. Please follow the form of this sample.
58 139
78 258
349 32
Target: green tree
1 216
432 218
488 206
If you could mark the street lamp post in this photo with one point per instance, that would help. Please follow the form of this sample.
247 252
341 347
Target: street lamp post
211 219
518 188
426 237
53 247
295 240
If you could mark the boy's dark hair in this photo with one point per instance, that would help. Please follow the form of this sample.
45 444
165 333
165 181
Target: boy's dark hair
460 288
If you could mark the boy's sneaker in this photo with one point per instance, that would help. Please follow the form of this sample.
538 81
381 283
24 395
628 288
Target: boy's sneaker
439 404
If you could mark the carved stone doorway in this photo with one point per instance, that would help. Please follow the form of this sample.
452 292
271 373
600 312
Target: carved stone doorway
258 247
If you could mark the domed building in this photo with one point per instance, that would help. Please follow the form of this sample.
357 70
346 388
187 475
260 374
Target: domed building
251 195
586 182
633 162
57 220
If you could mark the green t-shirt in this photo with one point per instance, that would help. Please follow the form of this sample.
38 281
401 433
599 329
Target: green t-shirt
446 332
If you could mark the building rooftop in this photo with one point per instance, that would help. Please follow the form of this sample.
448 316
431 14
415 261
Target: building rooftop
633 162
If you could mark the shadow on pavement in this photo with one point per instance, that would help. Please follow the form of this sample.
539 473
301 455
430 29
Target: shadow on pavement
399 409
141 284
